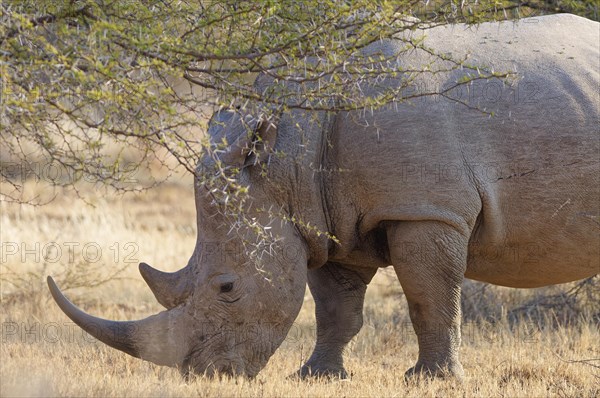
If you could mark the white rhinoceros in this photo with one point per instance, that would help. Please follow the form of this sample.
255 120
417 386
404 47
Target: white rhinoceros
434 187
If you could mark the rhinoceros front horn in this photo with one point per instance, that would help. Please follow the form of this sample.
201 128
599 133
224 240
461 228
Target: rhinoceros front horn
159 338
169 288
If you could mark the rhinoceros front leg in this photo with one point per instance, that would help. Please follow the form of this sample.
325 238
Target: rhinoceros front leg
339 294
430 261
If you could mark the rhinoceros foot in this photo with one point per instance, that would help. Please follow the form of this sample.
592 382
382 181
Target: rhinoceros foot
318 371
452 370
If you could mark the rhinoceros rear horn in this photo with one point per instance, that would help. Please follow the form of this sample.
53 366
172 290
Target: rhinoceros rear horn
169 288
159 338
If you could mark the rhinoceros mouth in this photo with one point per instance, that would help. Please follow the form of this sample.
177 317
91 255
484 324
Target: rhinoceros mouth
219 368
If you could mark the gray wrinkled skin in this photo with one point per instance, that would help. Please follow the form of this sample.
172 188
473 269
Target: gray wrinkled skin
436 189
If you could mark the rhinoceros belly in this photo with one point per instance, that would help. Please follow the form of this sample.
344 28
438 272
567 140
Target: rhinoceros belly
541 226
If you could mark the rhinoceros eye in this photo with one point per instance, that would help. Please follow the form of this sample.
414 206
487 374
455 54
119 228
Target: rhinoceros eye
226 287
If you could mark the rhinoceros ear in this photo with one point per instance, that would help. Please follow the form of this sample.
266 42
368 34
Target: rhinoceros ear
241 139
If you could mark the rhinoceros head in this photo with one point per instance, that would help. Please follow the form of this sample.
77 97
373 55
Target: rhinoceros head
228 310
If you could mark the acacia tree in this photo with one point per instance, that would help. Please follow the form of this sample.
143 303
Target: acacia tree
80 76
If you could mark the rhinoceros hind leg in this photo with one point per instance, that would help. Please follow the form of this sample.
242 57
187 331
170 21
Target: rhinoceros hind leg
431 274
339 293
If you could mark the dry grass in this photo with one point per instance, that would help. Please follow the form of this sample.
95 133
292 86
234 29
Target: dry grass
44 354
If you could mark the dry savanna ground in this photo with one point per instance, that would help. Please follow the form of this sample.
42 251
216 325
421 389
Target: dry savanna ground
516 342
